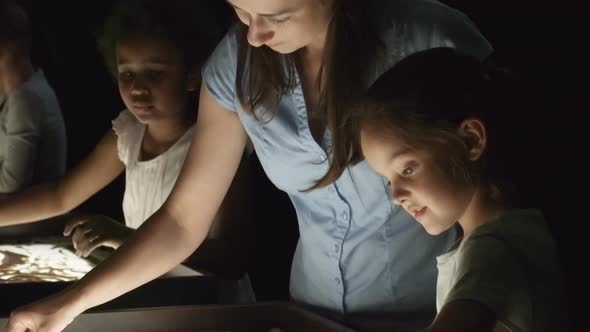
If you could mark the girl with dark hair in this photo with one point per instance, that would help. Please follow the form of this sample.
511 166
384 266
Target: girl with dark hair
434 126
284 77
155 51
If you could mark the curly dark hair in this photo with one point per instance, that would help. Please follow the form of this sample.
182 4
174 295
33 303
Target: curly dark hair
188 25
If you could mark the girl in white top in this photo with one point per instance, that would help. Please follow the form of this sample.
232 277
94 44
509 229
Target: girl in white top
147 182
439 126
155 50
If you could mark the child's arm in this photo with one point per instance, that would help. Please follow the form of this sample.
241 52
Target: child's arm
465 316
167 237
52 199
90 231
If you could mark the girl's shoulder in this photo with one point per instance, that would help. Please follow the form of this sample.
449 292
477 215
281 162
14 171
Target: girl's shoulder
129 133
521 233
125 122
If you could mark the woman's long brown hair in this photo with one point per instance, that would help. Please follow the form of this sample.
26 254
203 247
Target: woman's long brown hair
264 76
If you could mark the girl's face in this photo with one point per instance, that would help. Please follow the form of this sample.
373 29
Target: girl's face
418 184
284 25
153 80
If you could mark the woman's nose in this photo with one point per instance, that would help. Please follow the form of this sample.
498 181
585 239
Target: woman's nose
258 32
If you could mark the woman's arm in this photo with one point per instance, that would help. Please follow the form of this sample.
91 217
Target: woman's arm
228 249
167 237
52 199
465 316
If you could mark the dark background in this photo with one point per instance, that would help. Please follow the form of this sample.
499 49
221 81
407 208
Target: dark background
537 40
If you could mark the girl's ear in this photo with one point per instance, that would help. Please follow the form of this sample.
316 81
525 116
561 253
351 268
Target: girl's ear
473 132
194 79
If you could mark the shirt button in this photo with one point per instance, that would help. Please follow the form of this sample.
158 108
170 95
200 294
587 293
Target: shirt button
336 248
344 215
338 281
331 189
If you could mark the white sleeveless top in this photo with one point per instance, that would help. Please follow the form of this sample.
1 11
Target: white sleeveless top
147 183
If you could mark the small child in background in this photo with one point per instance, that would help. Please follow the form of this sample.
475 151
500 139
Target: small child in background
155 50
435 126
32 130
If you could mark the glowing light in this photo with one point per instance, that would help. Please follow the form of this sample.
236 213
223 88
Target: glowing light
40 262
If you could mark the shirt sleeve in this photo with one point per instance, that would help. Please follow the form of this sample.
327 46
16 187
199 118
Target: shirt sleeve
23 128
490 273
123 126
219 73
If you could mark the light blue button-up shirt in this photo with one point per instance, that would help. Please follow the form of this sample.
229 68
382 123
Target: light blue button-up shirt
358 253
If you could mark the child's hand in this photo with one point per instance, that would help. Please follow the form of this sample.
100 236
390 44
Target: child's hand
92 231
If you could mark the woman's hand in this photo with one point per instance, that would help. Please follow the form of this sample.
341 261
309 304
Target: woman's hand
92 231
51 314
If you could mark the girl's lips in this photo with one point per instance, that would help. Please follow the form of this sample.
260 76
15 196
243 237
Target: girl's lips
142 108
418 213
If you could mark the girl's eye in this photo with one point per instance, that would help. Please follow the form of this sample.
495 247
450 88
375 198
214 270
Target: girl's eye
278 21
408 170
125 76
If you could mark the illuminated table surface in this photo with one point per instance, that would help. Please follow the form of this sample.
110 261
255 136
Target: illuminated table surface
262 317
52 259
40 263
34 268
182 300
